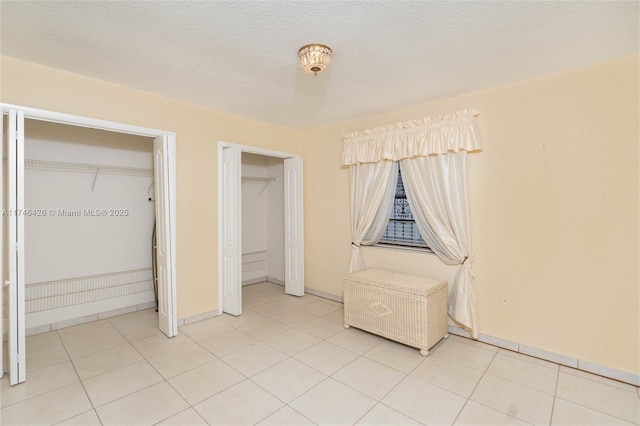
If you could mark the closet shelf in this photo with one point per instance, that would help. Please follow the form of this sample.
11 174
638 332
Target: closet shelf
255 179
61 166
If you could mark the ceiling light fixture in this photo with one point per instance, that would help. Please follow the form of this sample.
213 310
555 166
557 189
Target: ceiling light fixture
315 57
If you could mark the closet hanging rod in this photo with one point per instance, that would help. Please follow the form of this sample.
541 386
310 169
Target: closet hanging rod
258 179
62 166
265 180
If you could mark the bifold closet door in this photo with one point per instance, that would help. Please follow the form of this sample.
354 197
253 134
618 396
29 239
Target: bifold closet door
162 151
229 231
293 227
15 215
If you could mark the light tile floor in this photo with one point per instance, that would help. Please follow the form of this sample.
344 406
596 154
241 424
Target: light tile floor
289 361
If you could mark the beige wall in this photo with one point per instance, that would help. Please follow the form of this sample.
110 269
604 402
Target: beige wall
554 198
198 131
553 211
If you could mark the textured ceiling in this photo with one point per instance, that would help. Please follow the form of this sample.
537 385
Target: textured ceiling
240 56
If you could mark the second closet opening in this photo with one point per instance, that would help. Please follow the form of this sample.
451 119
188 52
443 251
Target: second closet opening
263 232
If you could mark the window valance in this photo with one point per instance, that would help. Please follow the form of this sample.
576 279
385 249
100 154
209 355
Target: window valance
451 132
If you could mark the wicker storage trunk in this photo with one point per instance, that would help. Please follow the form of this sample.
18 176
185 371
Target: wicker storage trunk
405 308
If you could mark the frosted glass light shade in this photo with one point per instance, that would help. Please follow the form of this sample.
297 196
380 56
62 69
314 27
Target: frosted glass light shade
315 58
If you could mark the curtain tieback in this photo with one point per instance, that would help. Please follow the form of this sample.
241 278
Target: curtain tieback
469 260
355 244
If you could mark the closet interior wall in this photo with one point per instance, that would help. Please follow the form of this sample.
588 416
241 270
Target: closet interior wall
88 251
262 219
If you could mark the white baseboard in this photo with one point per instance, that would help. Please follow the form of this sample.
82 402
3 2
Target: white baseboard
254 281
261 280
576 363
198 317
275 281
324 295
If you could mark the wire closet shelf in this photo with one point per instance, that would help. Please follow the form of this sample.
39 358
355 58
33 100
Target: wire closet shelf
62 166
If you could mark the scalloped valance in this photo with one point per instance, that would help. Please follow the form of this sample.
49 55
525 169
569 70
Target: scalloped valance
451 132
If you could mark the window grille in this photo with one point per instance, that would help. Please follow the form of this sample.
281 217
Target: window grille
402 229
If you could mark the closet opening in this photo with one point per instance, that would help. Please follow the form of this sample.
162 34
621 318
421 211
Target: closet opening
262 219
260 224
80 200
89 222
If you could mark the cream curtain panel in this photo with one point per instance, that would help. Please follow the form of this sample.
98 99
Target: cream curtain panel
437 192
432 153
373 187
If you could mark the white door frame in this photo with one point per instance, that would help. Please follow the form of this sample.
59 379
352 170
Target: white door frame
2 241
299 283
169 173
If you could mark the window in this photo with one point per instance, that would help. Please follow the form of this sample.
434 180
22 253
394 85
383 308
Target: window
402 229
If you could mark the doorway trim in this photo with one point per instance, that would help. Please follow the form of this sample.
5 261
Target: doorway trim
222 213
169 189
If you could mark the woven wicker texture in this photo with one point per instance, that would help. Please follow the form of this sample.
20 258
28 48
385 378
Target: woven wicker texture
397 281
405 308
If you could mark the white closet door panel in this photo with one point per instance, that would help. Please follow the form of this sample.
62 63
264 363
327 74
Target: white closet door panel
15 188
164 238
294 229
230 234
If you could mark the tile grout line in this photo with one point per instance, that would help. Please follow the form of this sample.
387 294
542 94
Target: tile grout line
585 406
285 404
141 389
593 409
299 396
458 363
555 395
306 392
75 369
165 380
143 358
523 385
190 407
475 387
509 380
246 378
327 376
510 354
380 400
406 375
597 381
